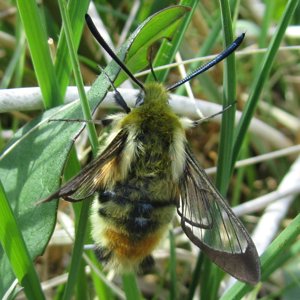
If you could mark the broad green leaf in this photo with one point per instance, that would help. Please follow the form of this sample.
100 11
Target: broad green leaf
32 163
168 49
162 25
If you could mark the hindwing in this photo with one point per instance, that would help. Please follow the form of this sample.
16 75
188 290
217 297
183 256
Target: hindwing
210 224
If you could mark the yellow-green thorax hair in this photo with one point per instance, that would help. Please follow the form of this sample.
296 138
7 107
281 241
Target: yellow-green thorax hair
157 132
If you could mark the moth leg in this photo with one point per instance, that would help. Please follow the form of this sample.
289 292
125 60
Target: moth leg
103 254
147 264
117 96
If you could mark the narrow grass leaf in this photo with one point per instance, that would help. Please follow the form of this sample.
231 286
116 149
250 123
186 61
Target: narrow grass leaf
227 129
16 251
78 78
76 11
172 266
263 36
130 287
261 79
76 259
196 277
229 96
40 54
14 62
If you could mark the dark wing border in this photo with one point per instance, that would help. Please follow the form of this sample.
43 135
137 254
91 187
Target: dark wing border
203 210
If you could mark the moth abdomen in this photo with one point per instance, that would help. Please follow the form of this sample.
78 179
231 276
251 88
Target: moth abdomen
129 224
136 212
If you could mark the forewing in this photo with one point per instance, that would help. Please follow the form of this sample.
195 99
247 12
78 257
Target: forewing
88 180
211 225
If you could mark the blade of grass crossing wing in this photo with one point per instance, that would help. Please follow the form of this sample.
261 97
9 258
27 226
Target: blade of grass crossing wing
226 136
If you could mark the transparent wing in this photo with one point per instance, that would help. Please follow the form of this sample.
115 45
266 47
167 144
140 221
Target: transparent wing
89 179
210 224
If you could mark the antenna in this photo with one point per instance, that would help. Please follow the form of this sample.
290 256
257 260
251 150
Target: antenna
225 53
151 64
104 45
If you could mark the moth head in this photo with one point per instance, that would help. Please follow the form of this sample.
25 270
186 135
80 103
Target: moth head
154 93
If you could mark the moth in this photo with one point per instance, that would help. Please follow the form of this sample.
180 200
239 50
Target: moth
146 172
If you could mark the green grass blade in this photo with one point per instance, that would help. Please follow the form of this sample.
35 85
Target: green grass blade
210 279
226 139
72 168
77 249
40 54
82 287
102 291
195 277
261 79
79 82
263 37
130 287
63 66
172 266
168 49
279 246
15 60
14 246
282 258
207 84
20 68
229 95
76 271
84 211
